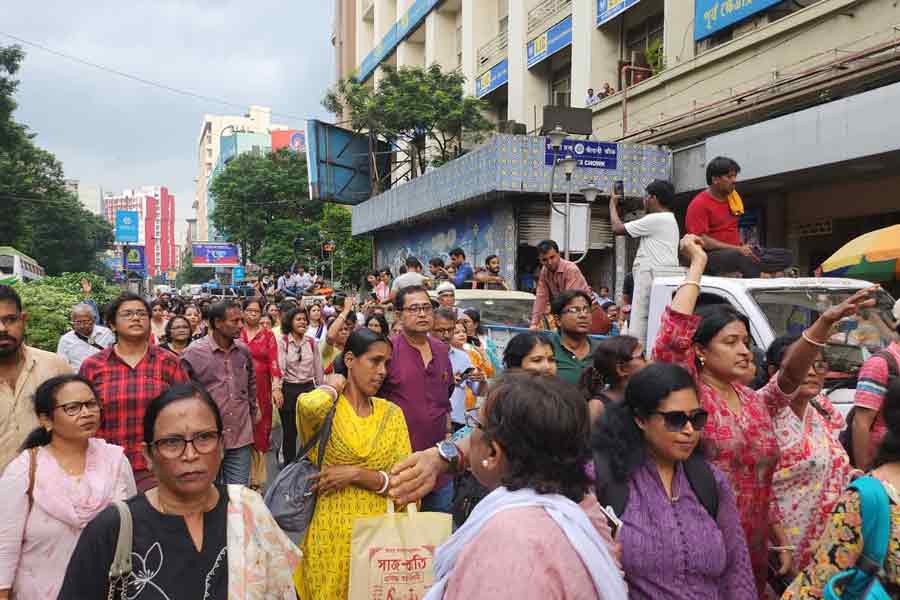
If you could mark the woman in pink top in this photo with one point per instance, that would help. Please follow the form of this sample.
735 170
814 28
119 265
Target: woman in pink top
537 534
49 502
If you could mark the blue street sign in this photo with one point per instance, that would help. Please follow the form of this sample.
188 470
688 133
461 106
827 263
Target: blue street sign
238 274
127 226
711 16
593 155
550 42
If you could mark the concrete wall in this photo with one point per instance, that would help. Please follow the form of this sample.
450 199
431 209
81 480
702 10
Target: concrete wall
480 232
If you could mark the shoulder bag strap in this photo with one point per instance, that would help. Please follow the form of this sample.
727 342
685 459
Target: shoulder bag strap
121 564
703 482
32 471
875 509
324 433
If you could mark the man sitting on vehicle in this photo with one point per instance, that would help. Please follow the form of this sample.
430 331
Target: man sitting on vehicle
488 277
713 216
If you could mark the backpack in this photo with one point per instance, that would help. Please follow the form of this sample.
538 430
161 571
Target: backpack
614 492
846 436
861 581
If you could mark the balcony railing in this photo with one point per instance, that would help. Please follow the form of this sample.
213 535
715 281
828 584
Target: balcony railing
494 51
547 13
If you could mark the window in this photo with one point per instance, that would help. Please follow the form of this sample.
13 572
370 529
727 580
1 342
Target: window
561 87
643 37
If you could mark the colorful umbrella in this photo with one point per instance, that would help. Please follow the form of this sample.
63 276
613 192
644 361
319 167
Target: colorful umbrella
874 256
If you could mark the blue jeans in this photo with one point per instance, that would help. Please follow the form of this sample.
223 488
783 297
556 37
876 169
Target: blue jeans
236 466
439 500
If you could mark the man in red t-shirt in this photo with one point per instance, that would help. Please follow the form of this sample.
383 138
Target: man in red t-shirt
709 217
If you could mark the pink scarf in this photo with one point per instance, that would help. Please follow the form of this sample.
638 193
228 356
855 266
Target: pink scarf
76 502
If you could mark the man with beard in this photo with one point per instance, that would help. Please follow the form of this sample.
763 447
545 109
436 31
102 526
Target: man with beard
22 370
488 277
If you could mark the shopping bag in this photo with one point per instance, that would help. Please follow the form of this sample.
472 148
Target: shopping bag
392 555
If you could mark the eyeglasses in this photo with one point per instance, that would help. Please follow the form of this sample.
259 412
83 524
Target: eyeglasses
10 320
675 420
443 332
73 409
130 314
174 447
472 419
419 308
576 310
820 366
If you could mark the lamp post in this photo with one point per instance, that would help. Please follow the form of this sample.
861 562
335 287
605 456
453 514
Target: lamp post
557 135
568 164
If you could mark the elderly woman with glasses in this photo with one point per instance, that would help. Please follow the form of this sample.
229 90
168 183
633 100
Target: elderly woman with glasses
191 537
814 469
62 479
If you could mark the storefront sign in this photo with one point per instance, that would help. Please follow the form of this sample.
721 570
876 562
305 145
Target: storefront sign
489 81
127 226
609 9
396 34
551 41
134 260
591 155
711 16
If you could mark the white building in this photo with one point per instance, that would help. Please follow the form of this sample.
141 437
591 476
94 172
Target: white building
258 120
89 195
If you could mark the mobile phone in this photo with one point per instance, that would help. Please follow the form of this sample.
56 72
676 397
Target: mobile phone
465 374
619 187
615 523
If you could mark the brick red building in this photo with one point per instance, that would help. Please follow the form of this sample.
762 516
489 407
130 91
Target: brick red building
156 210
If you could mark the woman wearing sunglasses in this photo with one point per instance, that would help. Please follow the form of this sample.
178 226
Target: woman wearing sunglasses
667 536
814 469
739 438
47 504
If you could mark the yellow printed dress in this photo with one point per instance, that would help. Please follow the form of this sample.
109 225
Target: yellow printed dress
375 442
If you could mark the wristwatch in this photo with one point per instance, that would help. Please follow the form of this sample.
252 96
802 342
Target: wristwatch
449 451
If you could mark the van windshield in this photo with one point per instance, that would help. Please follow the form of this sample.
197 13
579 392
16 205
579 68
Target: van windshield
851 341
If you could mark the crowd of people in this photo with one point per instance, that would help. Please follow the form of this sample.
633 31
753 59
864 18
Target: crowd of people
574 466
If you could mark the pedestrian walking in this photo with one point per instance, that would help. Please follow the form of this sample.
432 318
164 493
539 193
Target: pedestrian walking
672 546
158 320
419 381
223 365
62 479
22 370
301 369
537 522
126 376
178 335
191 538
739 437
368 437
86 338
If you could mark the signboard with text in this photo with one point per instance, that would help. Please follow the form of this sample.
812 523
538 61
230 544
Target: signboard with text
214 254
610 9
594 155
127 226
550 42
711 16
489 81
134 259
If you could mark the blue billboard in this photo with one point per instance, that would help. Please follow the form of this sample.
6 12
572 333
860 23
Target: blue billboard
214 254
609 9
238 274
594 155
489 81
550 42
135 260
127 226
711 16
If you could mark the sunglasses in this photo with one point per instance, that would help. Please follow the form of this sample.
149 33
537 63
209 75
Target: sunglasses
675 420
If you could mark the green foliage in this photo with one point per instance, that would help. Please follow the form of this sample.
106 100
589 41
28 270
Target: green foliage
48 302
40 217
654 55
421 107
352 255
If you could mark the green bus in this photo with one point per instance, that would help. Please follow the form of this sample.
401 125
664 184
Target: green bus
16 266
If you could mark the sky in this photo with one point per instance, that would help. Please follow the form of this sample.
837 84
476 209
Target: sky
119 133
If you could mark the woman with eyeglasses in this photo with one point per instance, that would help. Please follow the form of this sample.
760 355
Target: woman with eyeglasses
647 449
814 469
178 335
62 479
616 359
739 438
191 537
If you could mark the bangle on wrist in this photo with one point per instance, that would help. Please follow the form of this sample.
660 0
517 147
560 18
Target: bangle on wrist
811 341
387 482
330 388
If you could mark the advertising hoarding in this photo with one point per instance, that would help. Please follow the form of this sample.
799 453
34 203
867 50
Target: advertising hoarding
214 254
127 226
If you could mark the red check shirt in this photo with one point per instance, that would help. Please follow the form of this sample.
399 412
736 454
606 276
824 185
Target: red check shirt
124 393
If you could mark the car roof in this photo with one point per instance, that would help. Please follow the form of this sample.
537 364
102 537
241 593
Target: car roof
469 294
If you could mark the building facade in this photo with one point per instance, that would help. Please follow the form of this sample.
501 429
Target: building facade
800 93
89 195
156 232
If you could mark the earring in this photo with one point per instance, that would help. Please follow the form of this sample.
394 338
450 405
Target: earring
484 463
702 361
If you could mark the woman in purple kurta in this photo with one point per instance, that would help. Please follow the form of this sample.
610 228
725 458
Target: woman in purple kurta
673 548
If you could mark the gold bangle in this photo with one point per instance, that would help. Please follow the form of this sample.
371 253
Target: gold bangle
688 282
811 341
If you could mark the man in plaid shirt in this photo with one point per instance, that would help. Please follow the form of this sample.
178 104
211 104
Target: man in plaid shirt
127 376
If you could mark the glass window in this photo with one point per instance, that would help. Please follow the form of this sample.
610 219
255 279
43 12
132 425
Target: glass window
511 312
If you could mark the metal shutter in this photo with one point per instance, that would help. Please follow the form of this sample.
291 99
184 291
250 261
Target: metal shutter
534 224
601 231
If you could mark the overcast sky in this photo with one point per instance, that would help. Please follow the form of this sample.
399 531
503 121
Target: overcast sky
120 133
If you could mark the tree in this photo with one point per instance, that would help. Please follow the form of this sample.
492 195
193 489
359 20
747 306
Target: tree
40 216
423 108
352 255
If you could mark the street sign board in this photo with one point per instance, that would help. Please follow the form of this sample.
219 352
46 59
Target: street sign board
134 260
550 42
595 155
127 226
711 16
214 254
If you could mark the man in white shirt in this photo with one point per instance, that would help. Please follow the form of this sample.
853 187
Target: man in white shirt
300 281
591 99
413 276
86 338
658 248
